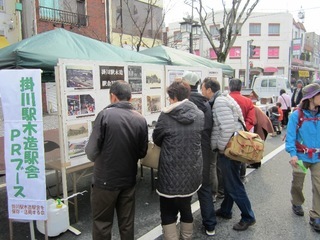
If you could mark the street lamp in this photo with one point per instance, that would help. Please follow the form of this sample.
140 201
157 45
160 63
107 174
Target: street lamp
192 27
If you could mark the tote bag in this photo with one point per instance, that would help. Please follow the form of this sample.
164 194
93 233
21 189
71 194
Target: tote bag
152 158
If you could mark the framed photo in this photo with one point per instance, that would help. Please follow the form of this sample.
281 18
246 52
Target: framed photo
135 78
79 77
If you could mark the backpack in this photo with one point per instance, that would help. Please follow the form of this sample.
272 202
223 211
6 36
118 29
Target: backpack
301 147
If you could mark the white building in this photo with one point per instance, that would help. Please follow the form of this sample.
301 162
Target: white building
271 33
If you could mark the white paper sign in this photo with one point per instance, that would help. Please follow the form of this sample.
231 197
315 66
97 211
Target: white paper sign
23 143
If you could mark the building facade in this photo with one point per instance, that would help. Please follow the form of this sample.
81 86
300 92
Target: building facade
10 22
282 46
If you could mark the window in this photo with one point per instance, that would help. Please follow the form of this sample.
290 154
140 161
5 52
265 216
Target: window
235 53
272 83
177 37
81 10
214 30
213 54
196 52
274 29
1 5
264 83
255 29
273 52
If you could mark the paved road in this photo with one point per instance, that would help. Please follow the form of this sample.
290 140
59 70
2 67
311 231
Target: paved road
267 187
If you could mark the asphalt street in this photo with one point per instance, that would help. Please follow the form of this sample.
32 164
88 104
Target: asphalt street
268 189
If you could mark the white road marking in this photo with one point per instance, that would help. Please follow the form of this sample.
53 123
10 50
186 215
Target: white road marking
157 231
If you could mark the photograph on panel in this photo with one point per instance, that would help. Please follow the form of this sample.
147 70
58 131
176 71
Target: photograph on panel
79 77
135 78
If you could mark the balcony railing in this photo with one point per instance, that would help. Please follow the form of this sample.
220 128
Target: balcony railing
60 16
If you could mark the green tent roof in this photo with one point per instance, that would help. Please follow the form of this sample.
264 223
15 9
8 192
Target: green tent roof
43 51
181 58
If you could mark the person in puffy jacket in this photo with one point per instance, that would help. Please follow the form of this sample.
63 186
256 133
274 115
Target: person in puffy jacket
303 143
118 140
178 133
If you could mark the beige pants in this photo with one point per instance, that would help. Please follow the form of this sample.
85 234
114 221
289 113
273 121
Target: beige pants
297 187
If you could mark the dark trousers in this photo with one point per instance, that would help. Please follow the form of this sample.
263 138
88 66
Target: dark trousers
285 117
234 190
103 204
170 207
206 207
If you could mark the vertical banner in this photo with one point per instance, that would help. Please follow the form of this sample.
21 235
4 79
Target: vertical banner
23 143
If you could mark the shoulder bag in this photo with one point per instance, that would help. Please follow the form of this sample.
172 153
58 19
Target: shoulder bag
152 157
244 146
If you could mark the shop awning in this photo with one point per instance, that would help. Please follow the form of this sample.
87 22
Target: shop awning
3 42
270 70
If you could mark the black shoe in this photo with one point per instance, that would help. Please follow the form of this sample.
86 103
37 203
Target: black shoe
298 210
315 223
219 213
242 226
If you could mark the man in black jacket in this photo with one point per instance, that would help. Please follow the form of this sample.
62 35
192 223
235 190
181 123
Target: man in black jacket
205 192
297 94
118 140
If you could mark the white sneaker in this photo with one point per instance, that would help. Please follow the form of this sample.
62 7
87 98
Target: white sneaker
211 233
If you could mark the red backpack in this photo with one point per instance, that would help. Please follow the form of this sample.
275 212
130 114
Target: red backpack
301 147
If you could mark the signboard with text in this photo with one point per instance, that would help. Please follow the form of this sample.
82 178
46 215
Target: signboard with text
23 143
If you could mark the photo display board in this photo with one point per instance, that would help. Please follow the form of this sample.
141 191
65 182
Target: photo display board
83 89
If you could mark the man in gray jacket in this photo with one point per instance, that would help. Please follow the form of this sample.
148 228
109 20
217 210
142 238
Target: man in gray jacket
226 116
118 140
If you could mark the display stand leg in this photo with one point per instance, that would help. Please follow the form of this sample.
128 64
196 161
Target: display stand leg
10 229
32 230
74 175
46 229
73 230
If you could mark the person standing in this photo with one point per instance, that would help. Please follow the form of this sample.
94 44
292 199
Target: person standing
118 140
178 133
205 192
226 120
248 112
285 101
210 91
297 94
303 143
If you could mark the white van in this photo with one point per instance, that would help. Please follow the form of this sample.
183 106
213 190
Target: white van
270 86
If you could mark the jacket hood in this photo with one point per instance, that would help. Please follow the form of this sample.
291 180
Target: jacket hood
184 111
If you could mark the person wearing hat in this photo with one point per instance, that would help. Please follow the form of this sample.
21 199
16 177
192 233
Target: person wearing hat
297 94
205 192
303 143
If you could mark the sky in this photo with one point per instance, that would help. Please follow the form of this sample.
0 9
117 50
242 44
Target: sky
311 10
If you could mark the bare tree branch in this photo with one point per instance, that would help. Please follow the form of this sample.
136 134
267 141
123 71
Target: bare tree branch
232 22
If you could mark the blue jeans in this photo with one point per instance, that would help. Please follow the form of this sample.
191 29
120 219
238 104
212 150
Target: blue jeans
207 208
234 190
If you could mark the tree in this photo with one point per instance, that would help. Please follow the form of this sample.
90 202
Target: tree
232 20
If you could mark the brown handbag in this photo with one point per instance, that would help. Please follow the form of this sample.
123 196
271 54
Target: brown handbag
152 158
245 147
